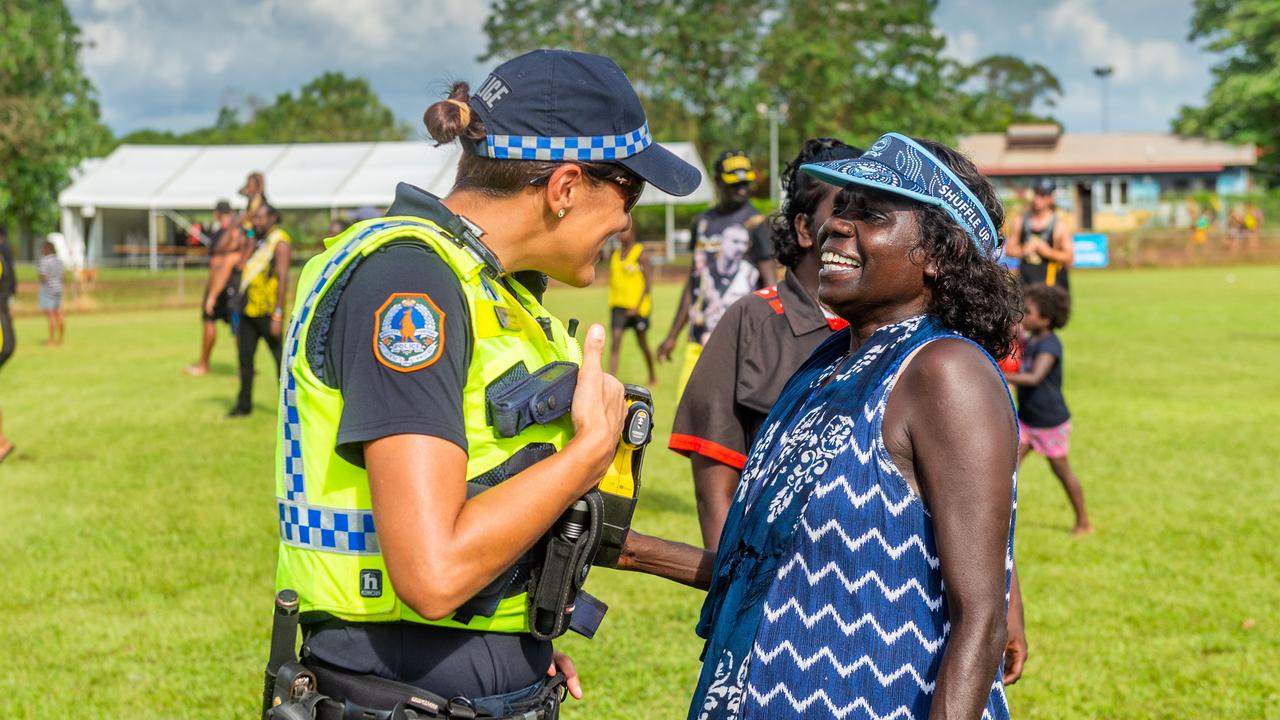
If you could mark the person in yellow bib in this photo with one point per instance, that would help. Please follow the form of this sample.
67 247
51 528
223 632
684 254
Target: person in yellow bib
264 281
411 514
630 298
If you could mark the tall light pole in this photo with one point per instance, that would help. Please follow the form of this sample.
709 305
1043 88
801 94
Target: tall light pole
775 114
1103 72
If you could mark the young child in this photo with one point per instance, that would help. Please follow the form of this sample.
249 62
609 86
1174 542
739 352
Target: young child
50 269
1044 422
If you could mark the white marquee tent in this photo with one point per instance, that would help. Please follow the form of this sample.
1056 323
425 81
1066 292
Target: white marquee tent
120 201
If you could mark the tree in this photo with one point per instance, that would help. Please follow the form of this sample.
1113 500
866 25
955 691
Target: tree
1244 101
1010 90
330 108
48 111
703 67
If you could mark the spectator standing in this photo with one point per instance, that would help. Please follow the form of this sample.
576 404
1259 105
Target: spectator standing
1041 239
732 257
1252 225
1044 422
630 297
51 270
8 285
225 247
264 283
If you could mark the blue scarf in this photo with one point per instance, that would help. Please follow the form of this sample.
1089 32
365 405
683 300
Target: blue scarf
767 508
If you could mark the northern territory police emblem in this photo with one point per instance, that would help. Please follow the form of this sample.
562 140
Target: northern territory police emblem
409 332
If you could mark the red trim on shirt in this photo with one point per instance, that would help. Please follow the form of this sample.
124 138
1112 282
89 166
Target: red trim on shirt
685 444
771 294
837 324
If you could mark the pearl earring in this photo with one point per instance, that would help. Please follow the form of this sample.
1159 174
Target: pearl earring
561 213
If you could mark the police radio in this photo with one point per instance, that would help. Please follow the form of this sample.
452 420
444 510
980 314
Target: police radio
593 530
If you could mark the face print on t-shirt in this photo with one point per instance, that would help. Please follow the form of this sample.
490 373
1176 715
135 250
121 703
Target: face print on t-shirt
722 270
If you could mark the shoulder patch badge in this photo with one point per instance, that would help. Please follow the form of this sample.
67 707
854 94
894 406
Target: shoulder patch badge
408 332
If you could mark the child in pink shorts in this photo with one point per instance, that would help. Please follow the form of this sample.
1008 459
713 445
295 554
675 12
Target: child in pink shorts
1044 423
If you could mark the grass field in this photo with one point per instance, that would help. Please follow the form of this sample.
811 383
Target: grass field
139 533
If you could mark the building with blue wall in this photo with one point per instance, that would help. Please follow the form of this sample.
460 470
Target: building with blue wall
1112 181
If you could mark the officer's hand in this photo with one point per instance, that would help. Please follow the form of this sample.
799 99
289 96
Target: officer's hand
599 407
666 348
563 663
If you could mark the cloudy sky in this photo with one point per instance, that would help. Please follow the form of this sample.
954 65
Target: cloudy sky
170 64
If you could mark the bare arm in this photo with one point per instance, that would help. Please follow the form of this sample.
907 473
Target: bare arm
682 318
1040 368
441 548
960 439
646 270
1013 243
281 260
674 561
223 263
1015 651
713 484
1062 251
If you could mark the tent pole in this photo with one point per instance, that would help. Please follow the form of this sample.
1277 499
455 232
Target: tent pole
671 231
153 239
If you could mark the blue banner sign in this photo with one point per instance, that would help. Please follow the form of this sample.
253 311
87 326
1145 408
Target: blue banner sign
1090 251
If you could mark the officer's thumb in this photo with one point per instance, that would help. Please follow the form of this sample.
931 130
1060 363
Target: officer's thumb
593 349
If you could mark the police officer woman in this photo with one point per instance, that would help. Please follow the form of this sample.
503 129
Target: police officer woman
407 520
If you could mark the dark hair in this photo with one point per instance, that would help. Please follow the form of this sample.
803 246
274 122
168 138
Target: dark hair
271 210
1053 303
802 193
223 207
972 293
497 178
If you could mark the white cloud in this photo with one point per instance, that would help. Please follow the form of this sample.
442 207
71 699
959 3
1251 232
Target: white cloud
962 47
1077 24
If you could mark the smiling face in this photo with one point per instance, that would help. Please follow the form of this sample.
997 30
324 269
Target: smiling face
868 270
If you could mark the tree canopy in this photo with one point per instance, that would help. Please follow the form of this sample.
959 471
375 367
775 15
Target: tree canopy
330 108
1244 102
48 111
705 67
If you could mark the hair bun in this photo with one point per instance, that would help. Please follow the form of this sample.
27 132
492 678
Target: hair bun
451 118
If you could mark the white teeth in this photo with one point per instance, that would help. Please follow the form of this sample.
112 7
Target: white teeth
835 261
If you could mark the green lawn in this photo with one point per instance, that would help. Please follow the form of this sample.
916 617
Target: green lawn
139 530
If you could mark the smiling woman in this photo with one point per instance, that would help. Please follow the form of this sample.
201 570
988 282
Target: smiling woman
867 559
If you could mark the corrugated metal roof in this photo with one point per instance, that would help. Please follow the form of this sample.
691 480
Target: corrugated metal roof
1104 153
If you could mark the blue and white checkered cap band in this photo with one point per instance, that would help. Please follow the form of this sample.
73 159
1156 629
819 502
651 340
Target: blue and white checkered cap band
899 165
587 148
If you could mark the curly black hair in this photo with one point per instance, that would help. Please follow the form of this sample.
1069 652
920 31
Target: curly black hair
971 294
1053 303
802 193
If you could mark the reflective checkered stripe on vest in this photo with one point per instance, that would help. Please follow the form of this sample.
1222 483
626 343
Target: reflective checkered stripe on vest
329 550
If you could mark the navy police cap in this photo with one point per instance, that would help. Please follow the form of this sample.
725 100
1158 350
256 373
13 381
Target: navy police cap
560 105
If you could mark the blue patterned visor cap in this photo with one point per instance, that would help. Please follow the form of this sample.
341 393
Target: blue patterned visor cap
897 164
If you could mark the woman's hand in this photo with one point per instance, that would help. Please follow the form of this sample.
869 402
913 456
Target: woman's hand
599 409
563 663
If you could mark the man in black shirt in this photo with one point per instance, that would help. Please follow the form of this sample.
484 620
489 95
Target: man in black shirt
732 257
1041 239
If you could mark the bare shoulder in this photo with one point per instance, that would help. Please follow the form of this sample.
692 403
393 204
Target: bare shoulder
956 374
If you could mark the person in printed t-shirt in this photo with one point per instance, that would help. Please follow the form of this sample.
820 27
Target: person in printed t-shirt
732 257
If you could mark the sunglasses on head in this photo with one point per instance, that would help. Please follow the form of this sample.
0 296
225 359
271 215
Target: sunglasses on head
632 186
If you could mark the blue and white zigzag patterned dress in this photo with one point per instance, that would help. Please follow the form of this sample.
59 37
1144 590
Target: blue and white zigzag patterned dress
854 621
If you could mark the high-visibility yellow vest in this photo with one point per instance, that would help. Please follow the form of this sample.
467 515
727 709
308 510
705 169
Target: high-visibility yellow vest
329 550
626 281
